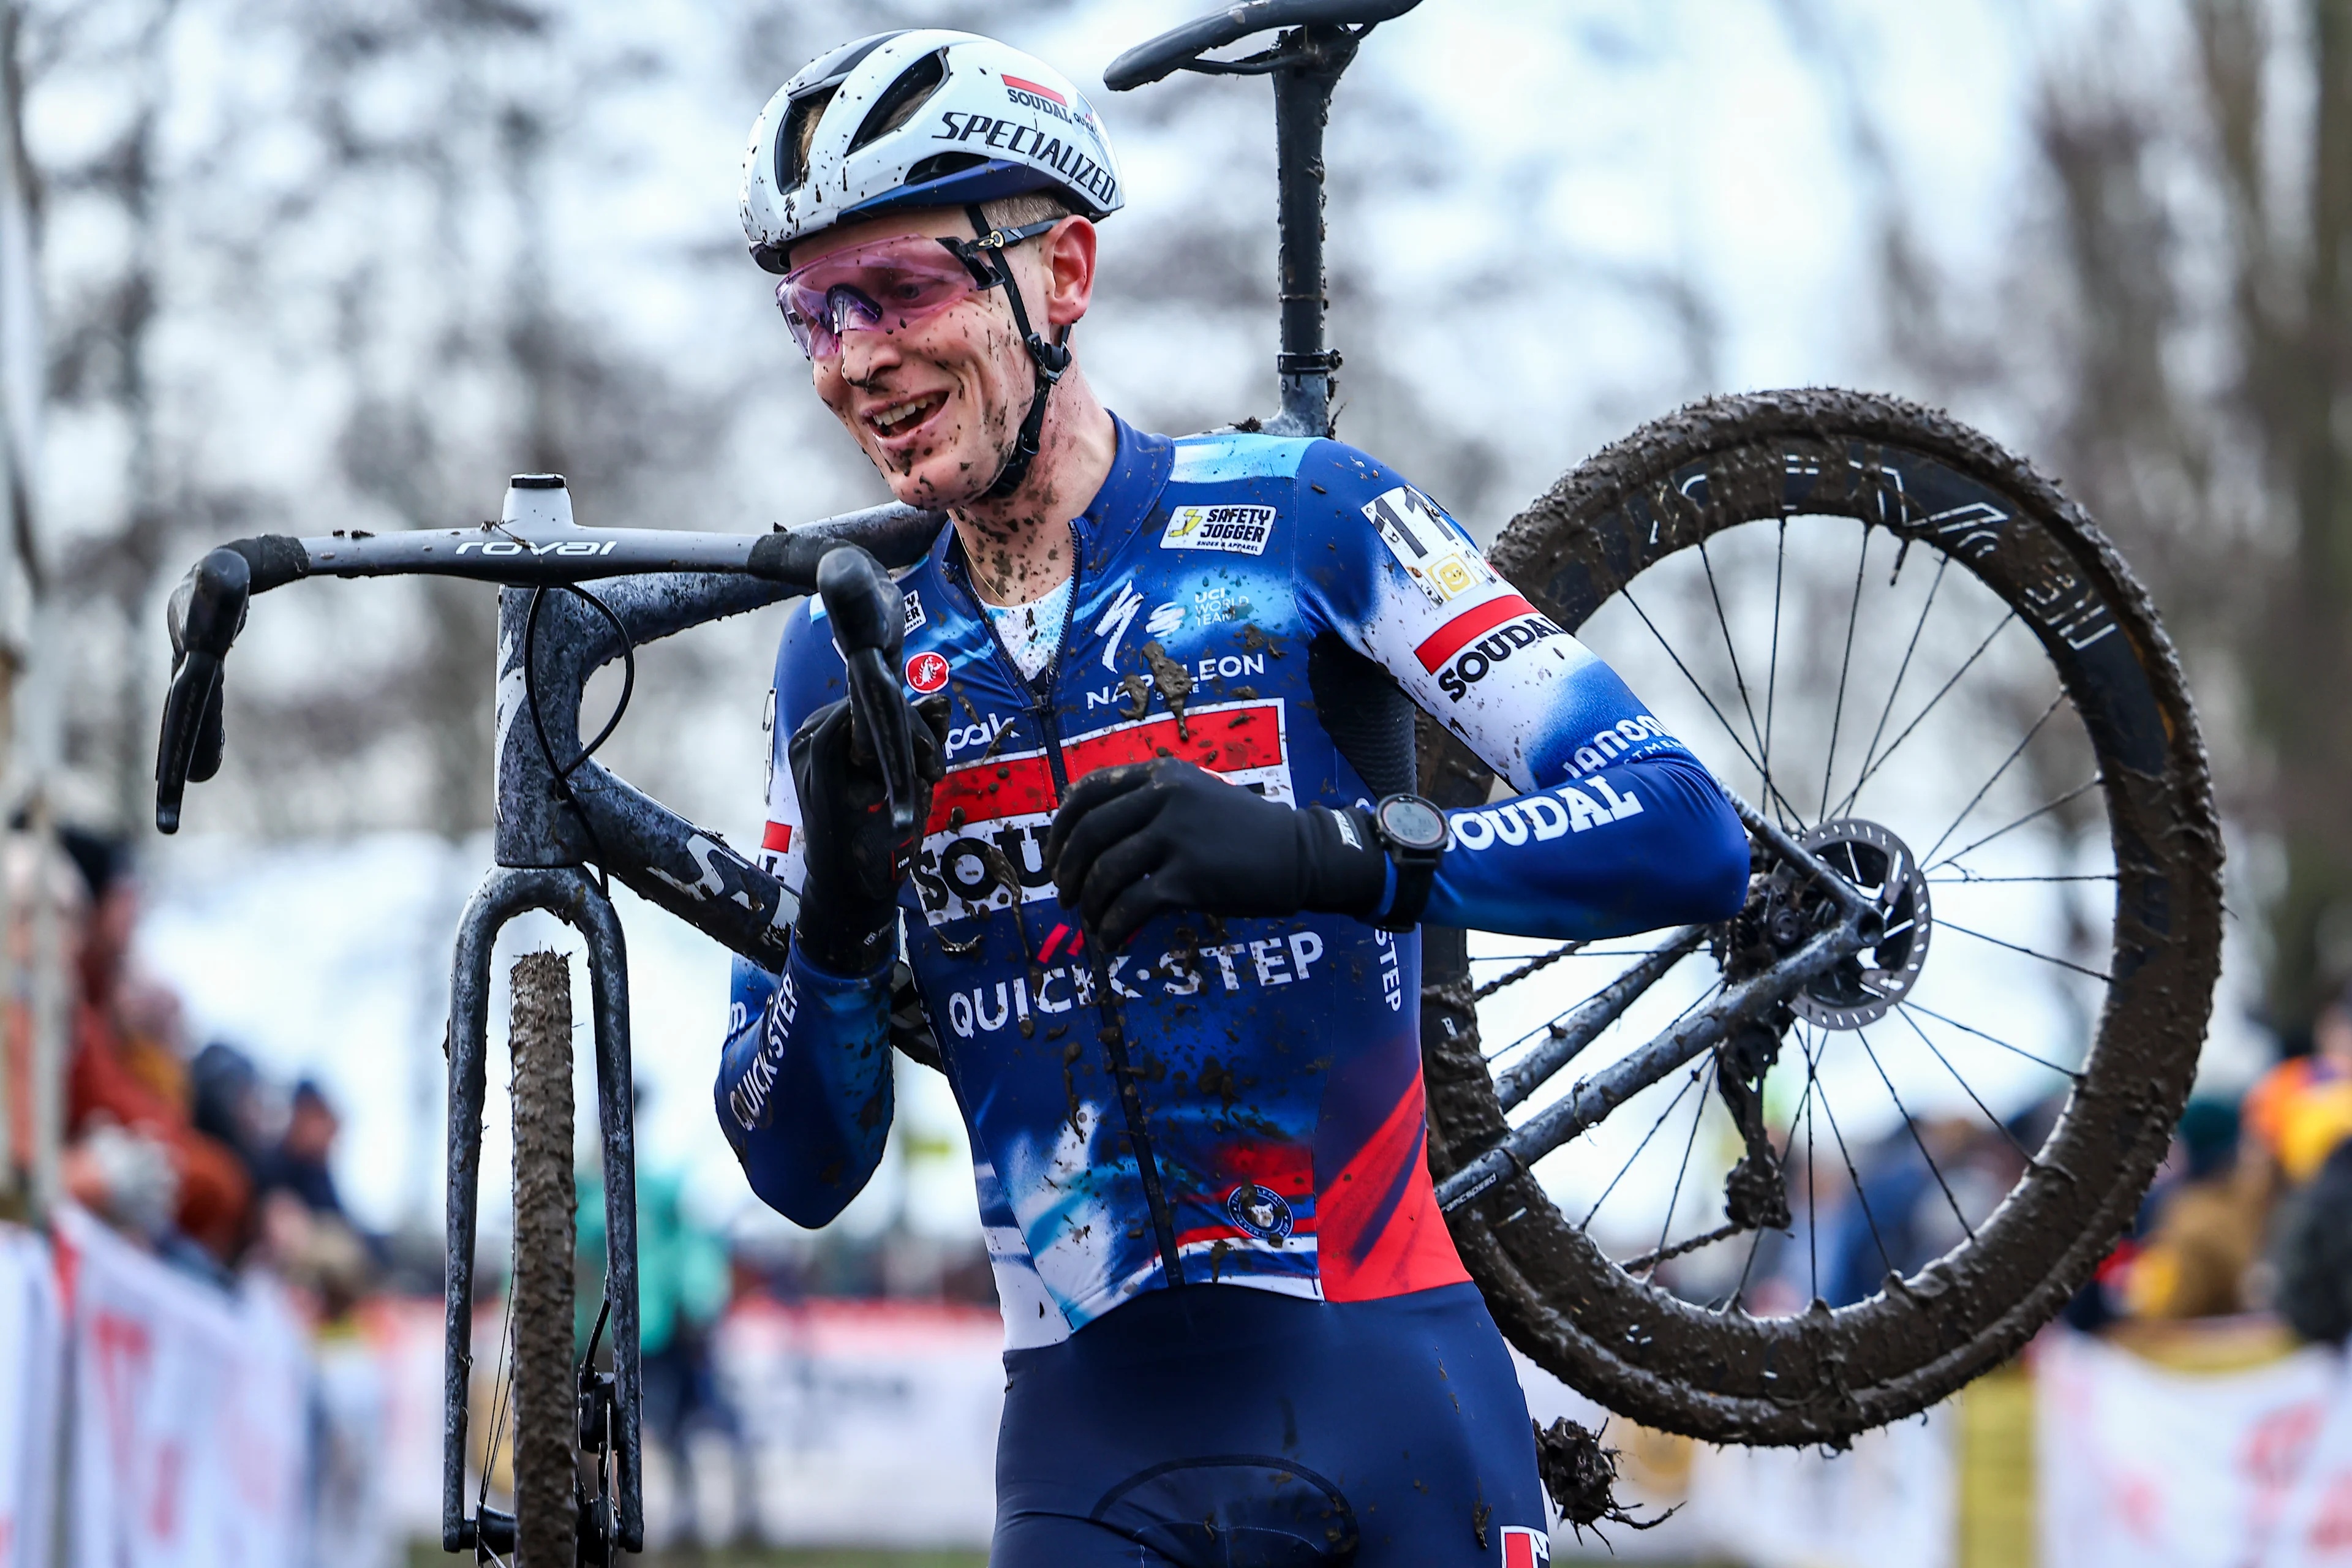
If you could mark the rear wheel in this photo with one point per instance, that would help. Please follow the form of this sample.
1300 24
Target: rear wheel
1927 669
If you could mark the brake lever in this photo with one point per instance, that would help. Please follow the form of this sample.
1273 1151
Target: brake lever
869 628
206 613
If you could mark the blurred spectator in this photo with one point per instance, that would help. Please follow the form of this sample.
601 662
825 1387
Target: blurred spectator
2301 1109
126 1075
305 1233
2314 1252
299 1165
231 1105
2205 1223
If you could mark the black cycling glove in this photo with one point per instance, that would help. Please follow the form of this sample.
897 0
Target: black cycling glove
1133 843
848 922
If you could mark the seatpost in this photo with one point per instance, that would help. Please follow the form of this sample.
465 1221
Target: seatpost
1316 54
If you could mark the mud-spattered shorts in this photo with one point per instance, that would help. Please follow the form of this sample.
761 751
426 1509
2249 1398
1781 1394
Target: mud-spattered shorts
1228 1427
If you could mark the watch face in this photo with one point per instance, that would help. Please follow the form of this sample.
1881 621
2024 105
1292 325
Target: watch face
1411 822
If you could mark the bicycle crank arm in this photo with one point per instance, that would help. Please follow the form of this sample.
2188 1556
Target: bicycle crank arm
1592 1099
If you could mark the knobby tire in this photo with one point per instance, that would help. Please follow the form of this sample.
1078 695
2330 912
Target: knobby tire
546 1420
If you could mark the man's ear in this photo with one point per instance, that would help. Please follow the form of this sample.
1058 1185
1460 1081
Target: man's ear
1068 250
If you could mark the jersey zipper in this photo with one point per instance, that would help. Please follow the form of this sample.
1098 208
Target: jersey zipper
1112 1031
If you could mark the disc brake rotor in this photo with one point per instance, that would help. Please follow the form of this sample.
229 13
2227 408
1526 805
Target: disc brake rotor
1861 989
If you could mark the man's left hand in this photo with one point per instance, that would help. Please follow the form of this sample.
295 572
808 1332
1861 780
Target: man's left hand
1133 843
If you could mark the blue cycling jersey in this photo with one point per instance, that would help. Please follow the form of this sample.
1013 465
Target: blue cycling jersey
1234 1101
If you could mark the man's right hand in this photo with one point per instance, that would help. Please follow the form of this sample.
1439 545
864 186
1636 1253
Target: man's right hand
848 922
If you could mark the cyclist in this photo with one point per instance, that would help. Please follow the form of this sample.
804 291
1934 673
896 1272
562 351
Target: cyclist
1160 907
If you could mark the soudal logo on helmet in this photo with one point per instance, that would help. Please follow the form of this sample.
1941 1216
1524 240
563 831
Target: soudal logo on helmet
1037 96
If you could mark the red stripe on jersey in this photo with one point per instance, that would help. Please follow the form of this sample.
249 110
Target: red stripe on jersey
987 792
1449 639
779 836
1519 1549
1038 88
1231 740
1381 1232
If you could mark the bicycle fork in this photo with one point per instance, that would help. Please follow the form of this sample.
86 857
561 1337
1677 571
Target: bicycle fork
570 894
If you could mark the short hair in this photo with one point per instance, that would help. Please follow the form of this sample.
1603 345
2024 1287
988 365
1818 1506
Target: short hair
1029 206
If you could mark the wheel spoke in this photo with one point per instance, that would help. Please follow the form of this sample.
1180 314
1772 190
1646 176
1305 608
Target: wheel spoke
1773 670
1854 794
1674 1198
1812 1205
1804 1109
2016 752
1965 1089
1860 1196
2038 811
1968 1029
1845 669
1911 1125
1968 878
1587 1223
2030 952
1878 730
1723 623
499 1388
1771 789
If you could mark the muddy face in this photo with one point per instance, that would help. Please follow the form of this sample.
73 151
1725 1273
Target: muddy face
935 405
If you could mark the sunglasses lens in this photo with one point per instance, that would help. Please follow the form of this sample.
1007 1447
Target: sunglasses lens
879 287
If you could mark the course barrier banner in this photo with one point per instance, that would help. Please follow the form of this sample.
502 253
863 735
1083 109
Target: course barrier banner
868 1422
32 1358
2141 1465
189 1414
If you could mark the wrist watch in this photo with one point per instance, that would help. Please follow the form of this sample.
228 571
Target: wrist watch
1413 832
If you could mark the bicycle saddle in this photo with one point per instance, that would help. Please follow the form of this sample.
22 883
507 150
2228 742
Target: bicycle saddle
1180 49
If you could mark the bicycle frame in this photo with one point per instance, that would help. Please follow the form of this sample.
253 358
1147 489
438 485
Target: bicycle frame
552 823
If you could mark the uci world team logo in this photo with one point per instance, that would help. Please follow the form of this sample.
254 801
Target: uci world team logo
1259 1210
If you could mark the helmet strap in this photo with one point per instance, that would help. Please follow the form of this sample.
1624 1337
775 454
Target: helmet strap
1048 360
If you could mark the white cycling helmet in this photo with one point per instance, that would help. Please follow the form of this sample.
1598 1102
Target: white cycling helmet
916 119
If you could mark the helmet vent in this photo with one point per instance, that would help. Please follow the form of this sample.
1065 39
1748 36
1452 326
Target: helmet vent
939 166
909 93
799 126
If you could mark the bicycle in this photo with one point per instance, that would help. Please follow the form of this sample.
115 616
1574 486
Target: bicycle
1834 940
